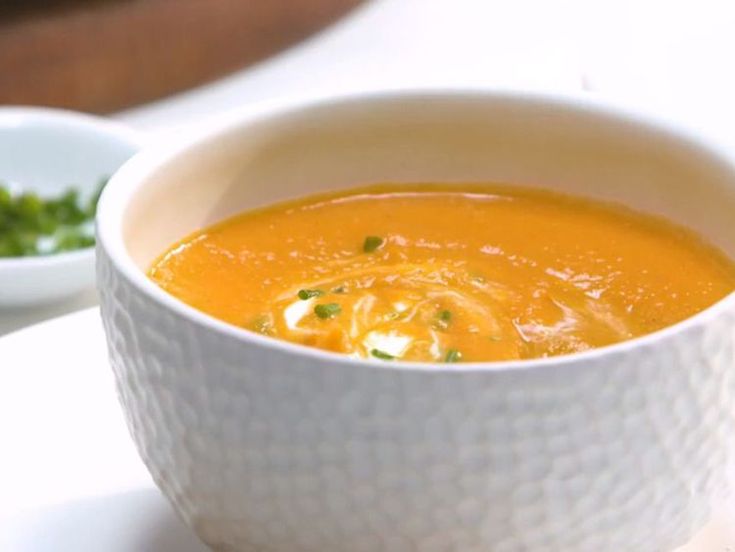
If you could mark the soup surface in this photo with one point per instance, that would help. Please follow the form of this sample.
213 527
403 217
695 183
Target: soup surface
447 274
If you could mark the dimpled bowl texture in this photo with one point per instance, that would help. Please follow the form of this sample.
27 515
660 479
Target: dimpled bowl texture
267 446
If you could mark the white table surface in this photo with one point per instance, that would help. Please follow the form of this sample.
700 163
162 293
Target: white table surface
70 478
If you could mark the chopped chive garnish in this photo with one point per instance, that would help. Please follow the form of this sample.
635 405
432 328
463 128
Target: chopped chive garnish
31 225
305 294
453 355
372 243
377 353
339 289
443 319
328 310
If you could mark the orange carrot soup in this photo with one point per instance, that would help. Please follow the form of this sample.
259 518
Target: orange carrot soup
446 274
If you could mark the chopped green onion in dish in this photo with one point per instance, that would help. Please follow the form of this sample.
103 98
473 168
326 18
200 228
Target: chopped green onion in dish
453 355
31 225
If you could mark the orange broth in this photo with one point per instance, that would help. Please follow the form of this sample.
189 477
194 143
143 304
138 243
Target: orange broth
446 273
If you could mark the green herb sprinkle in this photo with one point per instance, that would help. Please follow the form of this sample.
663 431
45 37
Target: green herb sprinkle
382 355
372 243
328 310
305 294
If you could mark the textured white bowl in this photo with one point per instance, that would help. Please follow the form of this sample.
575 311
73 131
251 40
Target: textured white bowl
267 446
48 151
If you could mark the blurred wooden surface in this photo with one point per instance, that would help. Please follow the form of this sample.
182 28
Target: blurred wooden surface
104 55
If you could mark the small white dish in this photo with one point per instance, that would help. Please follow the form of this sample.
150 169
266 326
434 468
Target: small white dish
48 151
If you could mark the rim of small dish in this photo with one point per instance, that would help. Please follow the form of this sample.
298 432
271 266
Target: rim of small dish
88 122
127 181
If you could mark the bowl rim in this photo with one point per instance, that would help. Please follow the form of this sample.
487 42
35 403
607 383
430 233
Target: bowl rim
126 182
84 121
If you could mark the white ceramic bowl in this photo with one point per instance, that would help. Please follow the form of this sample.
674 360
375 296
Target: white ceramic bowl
48 151
263 445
